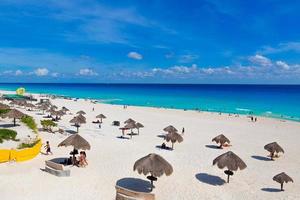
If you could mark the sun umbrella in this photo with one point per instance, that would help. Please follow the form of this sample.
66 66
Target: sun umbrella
129 121
130 126
273 148
173 137
138 126
81 112
14 114
282 178
76 141
153 164
101 116
221 139
77 121
231 161
170 129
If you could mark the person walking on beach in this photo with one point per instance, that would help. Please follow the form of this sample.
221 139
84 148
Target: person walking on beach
93 109
182 132
48 149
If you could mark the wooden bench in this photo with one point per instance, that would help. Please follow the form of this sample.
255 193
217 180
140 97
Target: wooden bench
126 194
56 169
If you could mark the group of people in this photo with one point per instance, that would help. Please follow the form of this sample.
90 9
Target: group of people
72 160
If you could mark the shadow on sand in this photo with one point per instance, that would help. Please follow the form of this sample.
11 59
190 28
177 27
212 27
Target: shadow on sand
210 179
262 158
212 146
134 184
161 136
8 125
71 131
166 148
270 190
122 137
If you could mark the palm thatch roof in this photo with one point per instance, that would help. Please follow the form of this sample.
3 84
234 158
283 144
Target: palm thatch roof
282 178
153 164
101 116
273 147
78 120
170 128
222 139
130 125
82 117
229 160
76 141
129 121
81 112
15 114
139 125
174 137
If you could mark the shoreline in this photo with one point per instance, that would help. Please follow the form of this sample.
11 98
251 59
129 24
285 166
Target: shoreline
103 101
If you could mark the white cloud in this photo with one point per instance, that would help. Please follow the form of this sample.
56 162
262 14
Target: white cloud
282 65
87 72
18 72
282 47
41 72
135 55
188 58
260 60
55 74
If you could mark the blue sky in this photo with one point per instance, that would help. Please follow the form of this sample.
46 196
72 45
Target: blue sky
141 41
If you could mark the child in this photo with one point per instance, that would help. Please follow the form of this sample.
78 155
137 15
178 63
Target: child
47 147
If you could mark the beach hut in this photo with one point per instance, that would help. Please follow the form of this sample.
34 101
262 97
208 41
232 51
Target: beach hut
230 161
138 126
78 121
221 139
273 148
173 137
153 164
170 128
14 114
101 116
81 112
282 178
129 121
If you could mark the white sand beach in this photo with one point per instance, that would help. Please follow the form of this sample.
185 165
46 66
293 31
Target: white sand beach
194 177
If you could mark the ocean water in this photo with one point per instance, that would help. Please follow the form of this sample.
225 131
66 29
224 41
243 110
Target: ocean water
278 101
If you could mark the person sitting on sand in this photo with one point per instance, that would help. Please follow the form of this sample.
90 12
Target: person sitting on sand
47 147
82 159
163 146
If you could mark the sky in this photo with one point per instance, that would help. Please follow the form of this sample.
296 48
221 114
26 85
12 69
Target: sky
157 41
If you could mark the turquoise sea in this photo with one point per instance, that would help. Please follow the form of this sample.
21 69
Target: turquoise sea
278 101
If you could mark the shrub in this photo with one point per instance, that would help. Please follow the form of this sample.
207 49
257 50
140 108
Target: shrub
7 134
29 121
48 124
4 111
28 145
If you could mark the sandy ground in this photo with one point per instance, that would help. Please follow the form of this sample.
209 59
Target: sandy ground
111 159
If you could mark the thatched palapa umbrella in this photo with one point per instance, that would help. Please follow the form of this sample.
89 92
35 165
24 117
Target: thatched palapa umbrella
14 114
231 161
138 126
153 164
173 137
81 112
221 139
77 142
129 121
101 116
170 128
77 121
282 178
130 126
273 148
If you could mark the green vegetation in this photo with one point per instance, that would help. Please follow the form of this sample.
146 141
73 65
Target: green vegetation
48 124
28 145
6 134
30 123
4 111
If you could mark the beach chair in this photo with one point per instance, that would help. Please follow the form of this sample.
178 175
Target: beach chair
56 169
126 194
